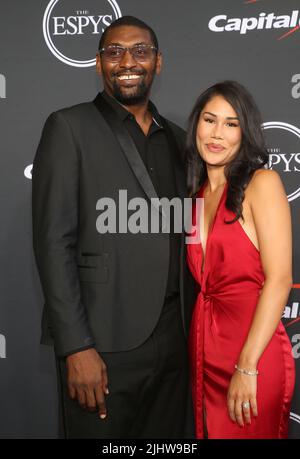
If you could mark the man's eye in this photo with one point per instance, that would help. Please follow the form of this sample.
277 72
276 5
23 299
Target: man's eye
115 51
140 51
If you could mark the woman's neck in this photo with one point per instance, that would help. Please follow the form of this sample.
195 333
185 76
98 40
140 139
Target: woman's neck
215 179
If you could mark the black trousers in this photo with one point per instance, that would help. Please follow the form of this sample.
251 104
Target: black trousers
149 389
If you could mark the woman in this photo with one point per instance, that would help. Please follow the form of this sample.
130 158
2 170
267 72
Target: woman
242 366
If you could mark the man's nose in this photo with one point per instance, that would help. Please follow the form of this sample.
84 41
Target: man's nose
127 60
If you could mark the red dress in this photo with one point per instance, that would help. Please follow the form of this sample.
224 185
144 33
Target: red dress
230 288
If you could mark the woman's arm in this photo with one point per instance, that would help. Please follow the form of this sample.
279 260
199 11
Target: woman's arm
272 219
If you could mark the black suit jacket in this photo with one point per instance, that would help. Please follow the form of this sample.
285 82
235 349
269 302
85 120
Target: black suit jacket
101 290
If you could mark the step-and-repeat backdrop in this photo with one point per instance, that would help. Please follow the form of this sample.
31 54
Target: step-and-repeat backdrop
47 61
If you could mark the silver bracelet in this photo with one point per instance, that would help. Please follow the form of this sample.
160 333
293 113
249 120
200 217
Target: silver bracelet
246 372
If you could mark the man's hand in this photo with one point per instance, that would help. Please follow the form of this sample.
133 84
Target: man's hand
87 380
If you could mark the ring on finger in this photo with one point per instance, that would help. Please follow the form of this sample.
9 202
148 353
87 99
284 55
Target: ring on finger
246 405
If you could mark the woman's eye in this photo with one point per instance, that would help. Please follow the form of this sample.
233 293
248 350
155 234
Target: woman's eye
232 124
208 120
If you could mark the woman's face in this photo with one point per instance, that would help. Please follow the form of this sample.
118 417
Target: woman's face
219 134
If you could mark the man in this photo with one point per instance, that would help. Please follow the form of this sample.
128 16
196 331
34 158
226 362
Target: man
115 303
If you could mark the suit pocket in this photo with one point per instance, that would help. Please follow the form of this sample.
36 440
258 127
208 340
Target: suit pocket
93 268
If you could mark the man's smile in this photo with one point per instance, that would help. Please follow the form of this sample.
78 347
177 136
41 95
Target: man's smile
129 77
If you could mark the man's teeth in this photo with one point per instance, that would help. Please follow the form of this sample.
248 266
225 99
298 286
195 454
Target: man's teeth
128 77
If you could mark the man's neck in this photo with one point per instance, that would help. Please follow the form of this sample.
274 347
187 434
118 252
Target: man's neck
141 113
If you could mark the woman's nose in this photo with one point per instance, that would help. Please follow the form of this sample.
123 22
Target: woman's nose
217 131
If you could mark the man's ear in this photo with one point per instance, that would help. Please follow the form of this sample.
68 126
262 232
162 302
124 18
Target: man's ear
159 61
98 64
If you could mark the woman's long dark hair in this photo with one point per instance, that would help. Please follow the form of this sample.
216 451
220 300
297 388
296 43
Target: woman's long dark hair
251 156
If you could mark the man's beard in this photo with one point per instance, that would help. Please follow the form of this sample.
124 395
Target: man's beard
138 97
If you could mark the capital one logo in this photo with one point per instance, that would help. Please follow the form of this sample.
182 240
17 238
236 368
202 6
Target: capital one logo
72 28
2 347
296 86
2 87
292 312
283 141
295 340
262 21
291 321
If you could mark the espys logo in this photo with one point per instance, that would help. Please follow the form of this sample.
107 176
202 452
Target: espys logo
2 87
28 171
2 347
296 87
295 417
284 154
71 26
262 21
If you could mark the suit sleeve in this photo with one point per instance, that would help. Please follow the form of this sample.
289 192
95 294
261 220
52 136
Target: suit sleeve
55 200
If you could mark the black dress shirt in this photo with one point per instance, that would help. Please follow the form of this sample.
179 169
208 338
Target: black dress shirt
156 154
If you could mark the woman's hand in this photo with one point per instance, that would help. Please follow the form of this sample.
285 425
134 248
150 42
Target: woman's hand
241 398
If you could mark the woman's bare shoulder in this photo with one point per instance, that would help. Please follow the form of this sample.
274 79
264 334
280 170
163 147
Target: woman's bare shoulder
266 182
